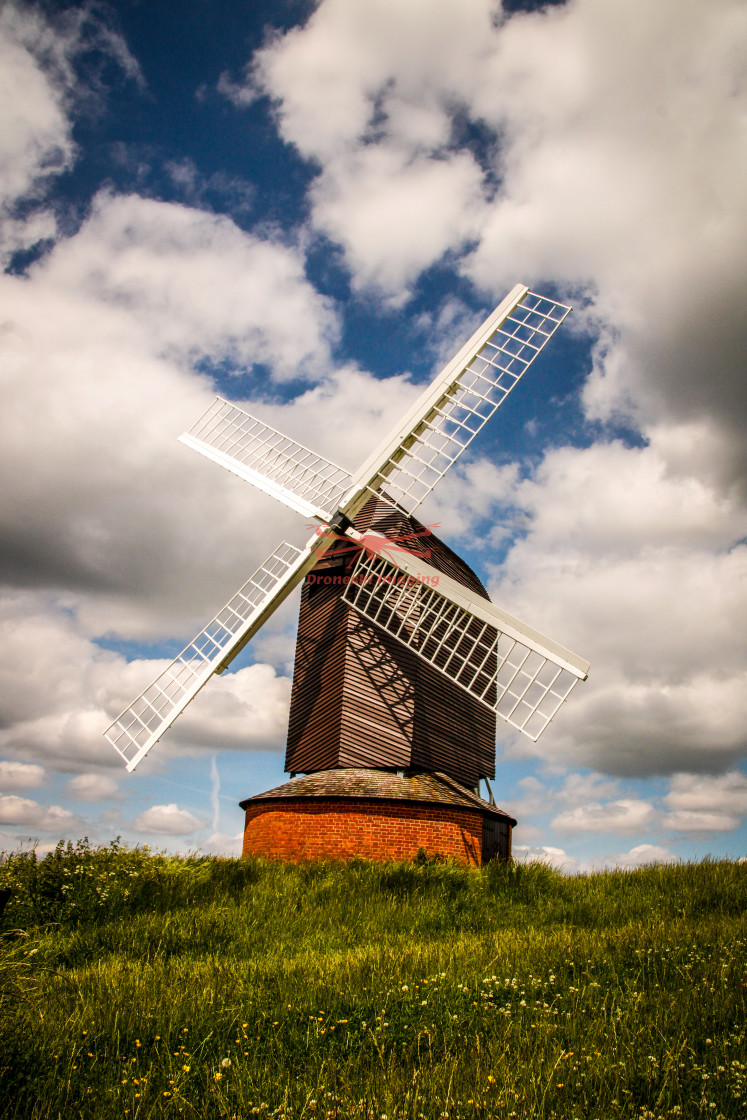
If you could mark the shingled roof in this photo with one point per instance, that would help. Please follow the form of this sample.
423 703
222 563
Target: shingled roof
381 785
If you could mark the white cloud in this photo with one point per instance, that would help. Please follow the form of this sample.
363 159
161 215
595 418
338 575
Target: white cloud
97 495
23 811
246 710
615 167
701 803
636 566
91 787
546 853
167 820
37 60
640 856
359 68
380 197
196 284
59 691
35 133
624 815
698 791
624 173
20 775
223 844
368 91
684 821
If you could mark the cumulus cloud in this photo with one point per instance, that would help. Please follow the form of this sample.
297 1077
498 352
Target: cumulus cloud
639 568
591 179
624 815
546 853
23 811
36 142
91 787
197 284
60 691
223 844
113 504
167 820
700 803
640 856
368 91
20 775
381 196
35 134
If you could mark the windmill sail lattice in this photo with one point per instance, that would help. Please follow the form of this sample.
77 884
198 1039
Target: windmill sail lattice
460 401
502 662
254 451
135 731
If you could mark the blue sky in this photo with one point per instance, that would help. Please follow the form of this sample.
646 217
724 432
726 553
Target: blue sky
309 207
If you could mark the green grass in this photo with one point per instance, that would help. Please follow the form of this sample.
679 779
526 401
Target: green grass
137 985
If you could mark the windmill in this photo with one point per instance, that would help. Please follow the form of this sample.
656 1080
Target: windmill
402 662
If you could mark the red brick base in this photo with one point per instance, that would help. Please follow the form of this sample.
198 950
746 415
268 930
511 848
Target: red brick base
320 828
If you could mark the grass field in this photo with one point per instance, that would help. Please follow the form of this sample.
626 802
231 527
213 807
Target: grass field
138 985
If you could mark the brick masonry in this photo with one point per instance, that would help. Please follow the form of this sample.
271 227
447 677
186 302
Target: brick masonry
328 828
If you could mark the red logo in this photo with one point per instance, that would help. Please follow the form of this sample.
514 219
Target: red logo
378 543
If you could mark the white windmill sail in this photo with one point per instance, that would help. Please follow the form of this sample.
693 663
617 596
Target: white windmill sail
508 666
428 440
458 403
275 463
141 725
511 668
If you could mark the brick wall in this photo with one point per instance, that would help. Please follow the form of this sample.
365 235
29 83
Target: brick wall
322 828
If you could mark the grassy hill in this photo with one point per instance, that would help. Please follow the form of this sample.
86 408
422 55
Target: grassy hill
136 985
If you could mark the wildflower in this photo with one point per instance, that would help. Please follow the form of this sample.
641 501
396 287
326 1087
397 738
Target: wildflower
226 1063
186 1068
137 1042
217 1077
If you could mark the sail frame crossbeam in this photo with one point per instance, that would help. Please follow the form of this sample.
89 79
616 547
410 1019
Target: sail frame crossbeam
280 466
510 667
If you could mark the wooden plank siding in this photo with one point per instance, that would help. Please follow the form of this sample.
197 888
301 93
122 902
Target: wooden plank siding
360 698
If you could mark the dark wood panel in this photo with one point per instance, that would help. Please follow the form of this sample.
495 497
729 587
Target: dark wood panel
359 698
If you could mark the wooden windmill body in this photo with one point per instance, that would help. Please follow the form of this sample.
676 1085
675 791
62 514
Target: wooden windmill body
402 662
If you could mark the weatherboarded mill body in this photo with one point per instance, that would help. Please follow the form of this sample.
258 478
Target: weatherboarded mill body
402 661
391 751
